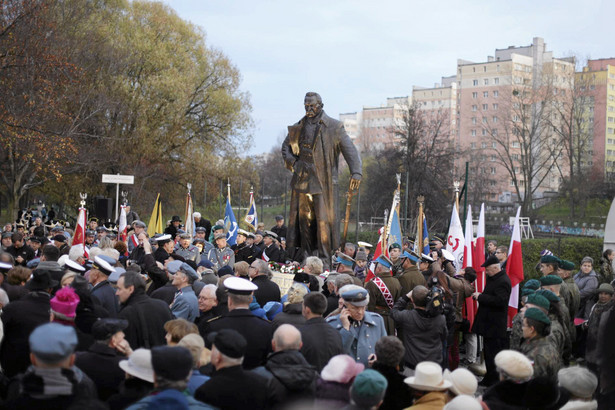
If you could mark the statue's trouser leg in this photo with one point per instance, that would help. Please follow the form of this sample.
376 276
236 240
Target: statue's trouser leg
323 236
307 223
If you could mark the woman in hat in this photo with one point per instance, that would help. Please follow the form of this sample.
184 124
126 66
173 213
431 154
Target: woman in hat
587 281
605 302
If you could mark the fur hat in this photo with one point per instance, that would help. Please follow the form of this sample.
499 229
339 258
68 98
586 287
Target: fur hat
341 369
464 382
514 365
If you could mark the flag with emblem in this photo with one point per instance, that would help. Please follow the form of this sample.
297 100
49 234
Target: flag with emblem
155 221
455 241
189 228
372 266
122 227
230 224
79 238
251 218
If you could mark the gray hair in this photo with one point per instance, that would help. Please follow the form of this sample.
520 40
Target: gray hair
210 288
262 267
315 265
342 280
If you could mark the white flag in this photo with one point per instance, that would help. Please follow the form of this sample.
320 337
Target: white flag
455 241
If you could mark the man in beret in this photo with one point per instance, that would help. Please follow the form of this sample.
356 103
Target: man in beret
52 382
185 305
492 315
101 361
216 229
410 276
395 253
384 290
102 289
572 297
230 386
537 347
360 330
556 285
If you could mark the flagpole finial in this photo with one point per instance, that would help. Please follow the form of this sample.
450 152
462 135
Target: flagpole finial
83 196
421 199
189 186
456 185
398 176
124 199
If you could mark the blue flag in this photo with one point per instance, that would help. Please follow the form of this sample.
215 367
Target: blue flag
230 223
425 236
251 218
394 228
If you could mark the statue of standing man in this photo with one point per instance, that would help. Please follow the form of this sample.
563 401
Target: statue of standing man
311 151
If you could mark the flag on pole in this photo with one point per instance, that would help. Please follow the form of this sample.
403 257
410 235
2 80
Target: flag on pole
394 228
79 237
155 221
189 228
372 266
230 223
455 241
514 268
425 236
251 218
479 251
470 304
122 229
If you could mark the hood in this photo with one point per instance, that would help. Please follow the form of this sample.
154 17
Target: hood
291 369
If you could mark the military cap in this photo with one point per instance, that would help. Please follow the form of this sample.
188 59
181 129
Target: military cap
549 259
242 232
229 342
60 238
394 246
101 228
198 240
538 315
162 239
115 276
410 256
384 261
176 218
239 286
438 238
271 234
344 259
206 263
200 229
426 258
532 284
566 265
527 291
188 271
102 265
279 217
365 244
53 342
90 232
217 227
36 239
93 219
104 328
447 255
491 260
251 235
172 363
538 300
140 224
219 235
550 280
174 266
551 297
606 288
355 295
74 267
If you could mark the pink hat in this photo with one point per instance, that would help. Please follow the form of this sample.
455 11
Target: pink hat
341 369
65 302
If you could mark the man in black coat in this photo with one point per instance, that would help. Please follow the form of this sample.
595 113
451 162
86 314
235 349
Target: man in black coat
271 251
231 387
279 228
102 290
101 361
146 316
20 251
320 340
20 318
492 315
202 222
268 291
256 331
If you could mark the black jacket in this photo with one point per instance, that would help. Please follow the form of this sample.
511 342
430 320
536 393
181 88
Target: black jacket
234 388
19 319
25 252
492 315
290 314
158 276
105 294
398 394
506 395
257 331
290 378
146 318
321 342
268 291
101 364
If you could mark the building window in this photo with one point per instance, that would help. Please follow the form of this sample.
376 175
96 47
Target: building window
474 120
473 145
484 132
486 81
494 144
512 182
485 69
485 107
484 120
493 158
494 119
515 144
474 107
610 130
611 119
493 170
485 94
496 81
495 106
496 94
474 82
483 145
474 133
475 95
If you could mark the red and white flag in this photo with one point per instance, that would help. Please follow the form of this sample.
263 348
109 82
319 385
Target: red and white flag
479 251
468 249
372 266
455 242
79 237
122 229
514 268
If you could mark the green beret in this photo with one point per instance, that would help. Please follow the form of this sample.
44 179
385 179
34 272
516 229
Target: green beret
217 227
549 259
550 280
566 265
532 284
538 300
394 246
527 291
551 297
538 315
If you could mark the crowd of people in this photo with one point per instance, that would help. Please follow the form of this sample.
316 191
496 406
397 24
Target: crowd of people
176 321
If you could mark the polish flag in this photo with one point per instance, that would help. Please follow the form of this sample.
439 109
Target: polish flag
470 304
123 225
79 237
514 268
479 251
372 266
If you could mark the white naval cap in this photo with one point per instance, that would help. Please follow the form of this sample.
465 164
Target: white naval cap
161 238
448 255
239 286
74 266
103 266
365 244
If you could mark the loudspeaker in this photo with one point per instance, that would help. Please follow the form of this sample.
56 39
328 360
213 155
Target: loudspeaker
103 208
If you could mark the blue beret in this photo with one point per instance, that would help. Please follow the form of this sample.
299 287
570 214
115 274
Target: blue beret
191 273
53 342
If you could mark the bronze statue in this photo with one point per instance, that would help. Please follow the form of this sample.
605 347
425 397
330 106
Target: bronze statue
311 151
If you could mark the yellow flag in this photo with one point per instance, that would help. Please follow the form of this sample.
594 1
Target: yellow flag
155 221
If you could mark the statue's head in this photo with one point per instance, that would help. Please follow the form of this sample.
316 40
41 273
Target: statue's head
313 104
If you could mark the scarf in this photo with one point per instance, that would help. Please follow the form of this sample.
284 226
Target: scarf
40 383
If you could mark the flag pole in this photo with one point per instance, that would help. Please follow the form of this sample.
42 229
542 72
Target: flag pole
228 189
419 221
456 187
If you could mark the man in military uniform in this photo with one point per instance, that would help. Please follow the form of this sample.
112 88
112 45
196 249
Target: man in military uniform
345 264
258 332
133 240
384 290
573 300
360 330
201 233
186 250
395 256
537 346
279 228
311 152
165 248
410 276
221 254
243 252
271 252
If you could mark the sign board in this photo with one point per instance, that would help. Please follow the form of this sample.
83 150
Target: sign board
118 179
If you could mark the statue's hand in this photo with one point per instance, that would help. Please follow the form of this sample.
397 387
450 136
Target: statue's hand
355 181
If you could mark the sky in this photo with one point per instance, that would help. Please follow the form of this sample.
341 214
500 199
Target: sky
358 53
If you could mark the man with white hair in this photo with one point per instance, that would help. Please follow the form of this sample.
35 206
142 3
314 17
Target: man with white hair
208 300
200 221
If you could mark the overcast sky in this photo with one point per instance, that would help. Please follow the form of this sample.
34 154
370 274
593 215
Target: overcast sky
357 53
